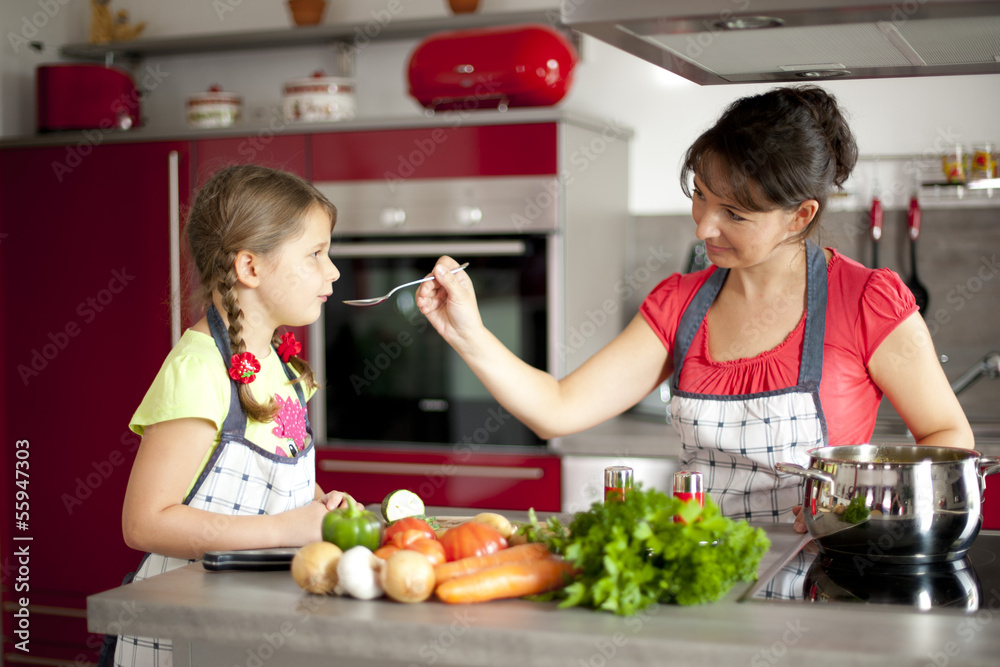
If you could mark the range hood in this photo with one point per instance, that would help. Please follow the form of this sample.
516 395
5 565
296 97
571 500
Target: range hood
748 41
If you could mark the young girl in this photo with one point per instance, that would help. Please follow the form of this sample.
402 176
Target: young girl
778 348
227 459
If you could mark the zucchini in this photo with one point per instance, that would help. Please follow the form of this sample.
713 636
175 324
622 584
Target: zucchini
401 504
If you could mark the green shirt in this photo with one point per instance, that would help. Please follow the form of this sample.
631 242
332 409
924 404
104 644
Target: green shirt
194 382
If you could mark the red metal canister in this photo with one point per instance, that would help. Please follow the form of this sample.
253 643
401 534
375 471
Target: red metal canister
617 482
689 485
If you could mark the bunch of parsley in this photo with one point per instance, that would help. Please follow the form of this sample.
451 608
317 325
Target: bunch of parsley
631 554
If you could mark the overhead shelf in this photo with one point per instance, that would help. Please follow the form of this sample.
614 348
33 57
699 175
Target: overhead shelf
348 33
985 188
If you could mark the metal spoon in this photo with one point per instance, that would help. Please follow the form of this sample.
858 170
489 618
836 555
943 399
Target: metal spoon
379 299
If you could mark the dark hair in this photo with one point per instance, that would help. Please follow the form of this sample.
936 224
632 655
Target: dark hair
251 208
778 149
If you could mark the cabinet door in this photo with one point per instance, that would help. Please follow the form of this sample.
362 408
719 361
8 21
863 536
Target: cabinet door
85 278
286 152
436 152
991 503
461 477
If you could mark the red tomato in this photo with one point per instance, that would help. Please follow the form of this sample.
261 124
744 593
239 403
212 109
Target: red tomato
384 552
409 523
405 538
433 549
471 539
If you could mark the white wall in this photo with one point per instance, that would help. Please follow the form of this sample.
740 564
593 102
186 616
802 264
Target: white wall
889 116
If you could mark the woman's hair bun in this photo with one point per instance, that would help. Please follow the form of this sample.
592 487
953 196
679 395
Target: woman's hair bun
831 121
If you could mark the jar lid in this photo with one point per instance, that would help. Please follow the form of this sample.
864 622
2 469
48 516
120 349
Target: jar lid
214 95
618 477
688 481
320 83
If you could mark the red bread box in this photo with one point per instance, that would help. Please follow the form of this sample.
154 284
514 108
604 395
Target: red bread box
527 65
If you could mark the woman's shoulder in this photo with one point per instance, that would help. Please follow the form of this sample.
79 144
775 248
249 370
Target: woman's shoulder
856 283
679 286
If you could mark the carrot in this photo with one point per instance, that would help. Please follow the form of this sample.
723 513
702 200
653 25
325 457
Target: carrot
510 580
463 566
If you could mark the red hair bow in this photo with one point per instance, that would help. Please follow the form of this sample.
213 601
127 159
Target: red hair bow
244 367
289 346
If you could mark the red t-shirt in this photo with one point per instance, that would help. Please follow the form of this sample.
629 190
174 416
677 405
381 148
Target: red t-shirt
863 307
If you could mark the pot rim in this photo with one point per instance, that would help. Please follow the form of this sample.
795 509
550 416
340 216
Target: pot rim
834 454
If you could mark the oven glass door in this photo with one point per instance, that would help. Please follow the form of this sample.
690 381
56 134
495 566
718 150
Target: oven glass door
389 375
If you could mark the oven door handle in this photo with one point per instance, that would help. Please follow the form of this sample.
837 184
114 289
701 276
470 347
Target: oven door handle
462 249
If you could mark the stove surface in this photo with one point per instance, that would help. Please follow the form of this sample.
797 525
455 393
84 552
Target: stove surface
808 576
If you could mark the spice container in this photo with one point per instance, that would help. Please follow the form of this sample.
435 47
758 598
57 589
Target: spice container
953 164
983 162
319 98
214 108
689 485
617 482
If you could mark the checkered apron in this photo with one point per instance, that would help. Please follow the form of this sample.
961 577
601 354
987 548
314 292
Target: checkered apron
736 440
239 478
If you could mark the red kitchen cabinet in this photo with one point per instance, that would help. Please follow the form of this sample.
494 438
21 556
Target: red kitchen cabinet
991 503
84 237
437 152
453 478
286 152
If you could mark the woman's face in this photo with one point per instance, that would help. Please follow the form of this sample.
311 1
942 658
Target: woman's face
737 238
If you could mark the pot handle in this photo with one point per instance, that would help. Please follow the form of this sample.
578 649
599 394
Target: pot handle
988 465
808 473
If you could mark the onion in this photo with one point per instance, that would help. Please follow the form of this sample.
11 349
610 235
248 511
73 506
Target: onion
359 573
408 576
314 567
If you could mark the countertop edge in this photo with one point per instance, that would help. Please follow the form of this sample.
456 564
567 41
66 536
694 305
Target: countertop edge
194 605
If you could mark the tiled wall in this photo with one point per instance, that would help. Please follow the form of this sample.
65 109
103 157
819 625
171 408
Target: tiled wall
958 262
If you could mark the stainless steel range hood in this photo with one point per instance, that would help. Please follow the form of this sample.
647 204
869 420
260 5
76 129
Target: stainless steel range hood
747 41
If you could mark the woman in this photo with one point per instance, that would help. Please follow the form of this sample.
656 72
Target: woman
778 348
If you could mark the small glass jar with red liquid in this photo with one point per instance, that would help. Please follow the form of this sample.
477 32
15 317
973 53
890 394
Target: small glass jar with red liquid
617 482
689 485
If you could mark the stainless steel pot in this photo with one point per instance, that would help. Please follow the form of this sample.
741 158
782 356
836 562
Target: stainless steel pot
894 503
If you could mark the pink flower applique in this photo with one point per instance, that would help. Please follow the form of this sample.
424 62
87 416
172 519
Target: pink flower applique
291 420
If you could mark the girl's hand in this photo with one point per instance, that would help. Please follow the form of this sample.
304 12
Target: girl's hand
335 499
800 522
449 302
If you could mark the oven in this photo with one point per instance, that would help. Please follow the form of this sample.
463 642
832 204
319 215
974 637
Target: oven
388 376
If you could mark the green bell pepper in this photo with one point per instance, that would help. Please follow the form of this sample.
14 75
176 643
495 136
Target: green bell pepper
350 527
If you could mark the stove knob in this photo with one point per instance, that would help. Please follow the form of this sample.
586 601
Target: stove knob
391 217
469 215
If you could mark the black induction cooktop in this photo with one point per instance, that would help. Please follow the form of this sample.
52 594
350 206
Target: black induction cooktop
808 576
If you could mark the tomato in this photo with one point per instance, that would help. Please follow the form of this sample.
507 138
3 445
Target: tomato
386 551
433 549
471 539
405 538
407 524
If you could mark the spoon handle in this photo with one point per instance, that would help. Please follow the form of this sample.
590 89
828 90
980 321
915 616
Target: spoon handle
428 278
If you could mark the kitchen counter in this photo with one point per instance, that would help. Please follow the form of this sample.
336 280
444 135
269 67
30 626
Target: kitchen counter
256 618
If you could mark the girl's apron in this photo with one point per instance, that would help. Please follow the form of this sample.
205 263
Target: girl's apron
736 440
239 478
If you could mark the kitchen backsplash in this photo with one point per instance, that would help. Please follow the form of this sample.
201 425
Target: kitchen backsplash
958 256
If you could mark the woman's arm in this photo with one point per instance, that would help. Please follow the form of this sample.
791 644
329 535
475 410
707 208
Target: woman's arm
906 368
607 384
154 518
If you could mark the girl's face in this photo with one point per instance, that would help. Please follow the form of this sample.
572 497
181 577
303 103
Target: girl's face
736 238
300 275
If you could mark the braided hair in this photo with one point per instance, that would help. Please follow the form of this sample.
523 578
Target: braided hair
256 209
777 149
